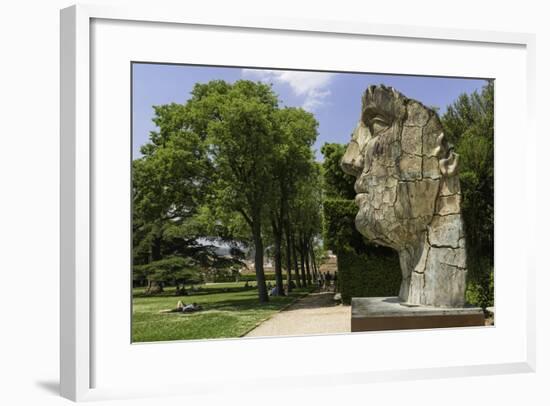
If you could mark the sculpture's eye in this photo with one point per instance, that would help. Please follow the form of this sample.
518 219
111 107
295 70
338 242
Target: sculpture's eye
379 124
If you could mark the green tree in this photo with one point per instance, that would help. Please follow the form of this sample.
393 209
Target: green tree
305 212
229 166
238 120
174 270
293 162
169 182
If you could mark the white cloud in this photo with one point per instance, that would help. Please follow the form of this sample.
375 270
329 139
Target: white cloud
313 86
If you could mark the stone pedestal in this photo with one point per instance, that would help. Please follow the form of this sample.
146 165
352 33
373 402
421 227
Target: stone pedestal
387 313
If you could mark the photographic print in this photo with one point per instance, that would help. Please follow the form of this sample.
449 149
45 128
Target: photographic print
270 202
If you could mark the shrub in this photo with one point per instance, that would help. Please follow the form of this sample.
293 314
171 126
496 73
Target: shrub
480 286
368 275
269 276
339 229
168 270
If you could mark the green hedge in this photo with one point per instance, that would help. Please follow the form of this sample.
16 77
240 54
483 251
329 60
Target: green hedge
367 275
339 229
480 285
269 276
364 269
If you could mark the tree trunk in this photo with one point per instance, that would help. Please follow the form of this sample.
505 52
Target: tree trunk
259 259
303 269
302 263
155 287
305 250
180 289
156 249
314 262
277 257
295 258
288 259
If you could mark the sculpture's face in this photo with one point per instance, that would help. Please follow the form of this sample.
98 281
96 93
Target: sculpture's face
394 157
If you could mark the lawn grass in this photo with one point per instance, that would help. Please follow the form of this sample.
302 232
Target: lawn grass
229 310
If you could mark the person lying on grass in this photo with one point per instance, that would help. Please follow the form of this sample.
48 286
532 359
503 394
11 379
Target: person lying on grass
190 308
183 308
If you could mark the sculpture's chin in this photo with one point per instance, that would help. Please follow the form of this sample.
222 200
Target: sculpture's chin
364 222
374 230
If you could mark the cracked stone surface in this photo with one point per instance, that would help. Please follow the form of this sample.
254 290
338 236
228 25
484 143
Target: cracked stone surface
408 194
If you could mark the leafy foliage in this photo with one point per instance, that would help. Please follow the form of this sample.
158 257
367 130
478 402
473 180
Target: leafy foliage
171 269
239 124
337 183
293 167
340 234
169 183
241 140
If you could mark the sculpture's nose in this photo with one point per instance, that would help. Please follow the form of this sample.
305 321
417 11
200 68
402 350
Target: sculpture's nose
352 161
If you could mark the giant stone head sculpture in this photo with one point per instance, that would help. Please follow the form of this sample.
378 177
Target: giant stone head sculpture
408 194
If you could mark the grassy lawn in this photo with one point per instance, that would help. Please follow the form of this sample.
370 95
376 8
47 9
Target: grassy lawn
229 310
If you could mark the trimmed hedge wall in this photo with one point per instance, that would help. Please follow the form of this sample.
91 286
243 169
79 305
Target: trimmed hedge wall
364 269
339 229
367 275
269 276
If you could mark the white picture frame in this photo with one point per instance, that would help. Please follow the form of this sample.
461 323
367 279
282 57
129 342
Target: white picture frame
77 281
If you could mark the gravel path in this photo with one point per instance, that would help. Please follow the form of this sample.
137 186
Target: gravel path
314 314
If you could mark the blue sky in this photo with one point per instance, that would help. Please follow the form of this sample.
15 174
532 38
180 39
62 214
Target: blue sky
334 98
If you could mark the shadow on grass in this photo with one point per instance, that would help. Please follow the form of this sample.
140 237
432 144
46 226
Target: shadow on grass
274 303
210 290
246 304
201 292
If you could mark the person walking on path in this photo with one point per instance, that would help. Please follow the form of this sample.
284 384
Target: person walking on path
327 280
320 280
